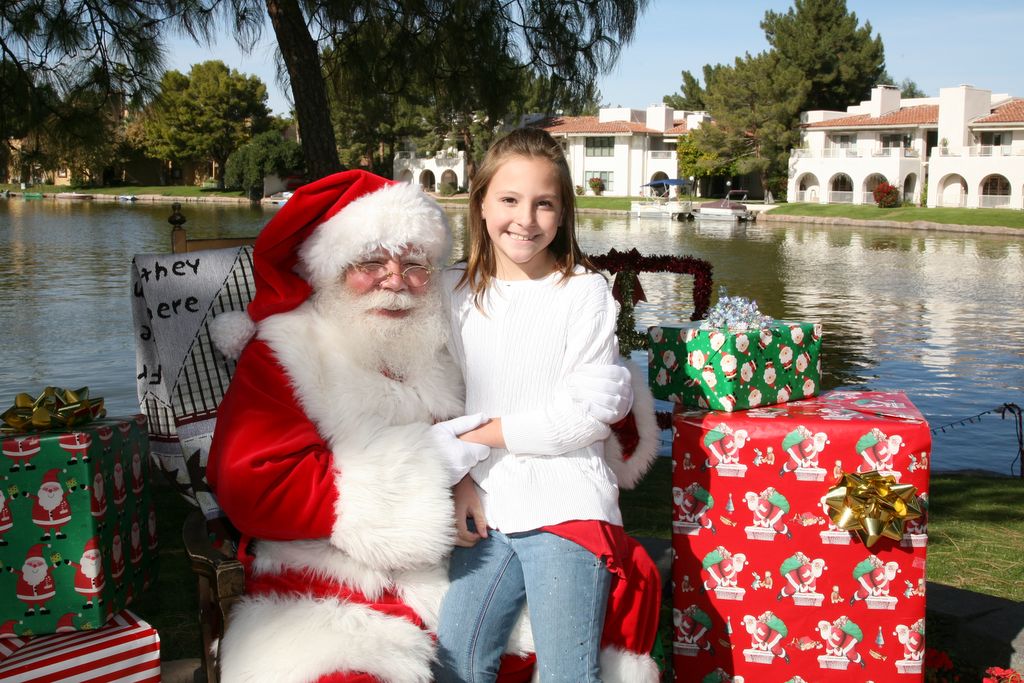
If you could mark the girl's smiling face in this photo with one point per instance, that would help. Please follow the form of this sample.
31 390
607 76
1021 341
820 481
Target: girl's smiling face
522 210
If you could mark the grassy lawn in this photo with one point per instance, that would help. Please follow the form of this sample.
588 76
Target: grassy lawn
949 216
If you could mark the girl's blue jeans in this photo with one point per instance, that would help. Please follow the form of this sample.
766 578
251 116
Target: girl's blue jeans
565 585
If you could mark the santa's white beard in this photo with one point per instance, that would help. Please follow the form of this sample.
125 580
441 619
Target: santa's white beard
33 575
50 500
396 345
91 566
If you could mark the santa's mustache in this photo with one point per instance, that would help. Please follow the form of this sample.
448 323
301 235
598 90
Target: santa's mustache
382 299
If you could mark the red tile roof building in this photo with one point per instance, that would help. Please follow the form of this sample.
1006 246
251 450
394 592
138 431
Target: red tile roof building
965 146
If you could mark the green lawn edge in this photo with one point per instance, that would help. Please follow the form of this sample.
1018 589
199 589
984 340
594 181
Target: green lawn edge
906 214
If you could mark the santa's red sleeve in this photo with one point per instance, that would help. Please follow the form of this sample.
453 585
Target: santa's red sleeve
271 471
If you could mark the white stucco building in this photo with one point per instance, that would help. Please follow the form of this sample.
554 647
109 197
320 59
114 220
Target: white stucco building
966 146
448 166
626 148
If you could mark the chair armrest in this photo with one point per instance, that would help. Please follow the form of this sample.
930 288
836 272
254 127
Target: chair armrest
211 554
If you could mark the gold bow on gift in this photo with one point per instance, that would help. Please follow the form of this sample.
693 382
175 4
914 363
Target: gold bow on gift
872 505
54 408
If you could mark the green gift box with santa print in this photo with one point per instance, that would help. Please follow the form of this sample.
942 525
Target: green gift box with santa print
723 369
77 525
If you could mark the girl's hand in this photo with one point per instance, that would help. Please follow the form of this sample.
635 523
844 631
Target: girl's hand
467 505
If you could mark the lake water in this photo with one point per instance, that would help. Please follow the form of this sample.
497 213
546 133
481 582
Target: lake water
937 315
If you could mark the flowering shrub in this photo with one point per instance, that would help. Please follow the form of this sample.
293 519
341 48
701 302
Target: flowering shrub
596 185
997 674
887 196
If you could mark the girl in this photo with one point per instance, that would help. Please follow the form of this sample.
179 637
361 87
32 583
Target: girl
527 310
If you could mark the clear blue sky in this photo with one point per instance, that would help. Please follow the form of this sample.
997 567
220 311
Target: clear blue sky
937 43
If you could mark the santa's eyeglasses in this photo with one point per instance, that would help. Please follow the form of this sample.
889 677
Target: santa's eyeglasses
414 275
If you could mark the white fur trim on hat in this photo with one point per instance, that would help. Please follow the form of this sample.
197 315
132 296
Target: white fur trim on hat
630 471
393 218
230 332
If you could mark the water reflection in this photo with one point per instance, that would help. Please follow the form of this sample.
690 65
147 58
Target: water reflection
938 315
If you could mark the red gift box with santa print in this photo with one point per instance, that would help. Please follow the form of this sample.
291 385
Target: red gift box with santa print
765 586
77 525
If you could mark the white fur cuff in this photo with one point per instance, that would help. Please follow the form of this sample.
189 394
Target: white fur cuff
231 331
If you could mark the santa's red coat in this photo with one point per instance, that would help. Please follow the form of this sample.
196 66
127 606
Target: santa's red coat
57 517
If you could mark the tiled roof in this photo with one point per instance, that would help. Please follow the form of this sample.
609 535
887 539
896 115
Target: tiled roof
567 125
1011 112
923 114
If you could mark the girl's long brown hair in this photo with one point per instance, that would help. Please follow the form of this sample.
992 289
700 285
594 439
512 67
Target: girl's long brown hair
481 263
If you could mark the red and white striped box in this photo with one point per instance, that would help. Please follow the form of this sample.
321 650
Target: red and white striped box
126 649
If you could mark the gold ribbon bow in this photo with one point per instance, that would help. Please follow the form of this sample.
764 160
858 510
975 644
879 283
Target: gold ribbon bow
872 505
54 408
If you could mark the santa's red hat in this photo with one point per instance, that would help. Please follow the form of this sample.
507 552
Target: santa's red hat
51 476
7 628
323 228
91 544
66 623
35 551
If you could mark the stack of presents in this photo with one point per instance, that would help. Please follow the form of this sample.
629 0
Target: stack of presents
799 520
77 542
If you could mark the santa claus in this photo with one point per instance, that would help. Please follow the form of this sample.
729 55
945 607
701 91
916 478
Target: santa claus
35 585
98 500
6 520
51 512
89 578
325 457
138 476
116 555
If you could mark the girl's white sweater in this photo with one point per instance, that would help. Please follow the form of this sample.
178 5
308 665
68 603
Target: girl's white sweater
516 359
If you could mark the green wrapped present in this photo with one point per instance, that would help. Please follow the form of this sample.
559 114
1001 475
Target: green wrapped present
721 369
77 524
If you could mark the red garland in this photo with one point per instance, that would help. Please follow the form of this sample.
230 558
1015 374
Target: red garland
633 261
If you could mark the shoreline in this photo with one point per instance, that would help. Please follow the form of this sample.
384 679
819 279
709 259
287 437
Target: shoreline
927 226
762 216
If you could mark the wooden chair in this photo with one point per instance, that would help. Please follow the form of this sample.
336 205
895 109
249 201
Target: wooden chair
181 381
181 244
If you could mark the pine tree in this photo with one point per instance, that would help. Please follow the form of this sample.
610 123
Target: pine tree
824 42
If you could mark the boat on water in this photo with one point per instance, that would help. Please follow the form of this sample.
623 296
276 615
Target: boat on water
73 195
278 198
727 209
654 208
31 195
658 205
126 198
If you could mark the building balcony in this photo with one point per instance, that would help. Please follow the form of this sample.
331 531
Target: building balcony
855 153
904 152
991 151
662 154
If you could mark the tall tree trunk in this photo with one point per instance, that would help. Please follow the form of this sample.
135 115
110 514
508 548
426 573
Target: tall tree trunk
302 58
467 142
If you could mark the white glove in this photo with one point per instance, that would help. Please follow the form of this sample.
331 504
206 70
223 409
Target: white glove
605 391
460 456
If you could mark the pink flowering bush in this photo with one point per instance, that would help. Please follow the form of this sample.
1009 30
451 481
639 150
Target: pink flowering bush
887 196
